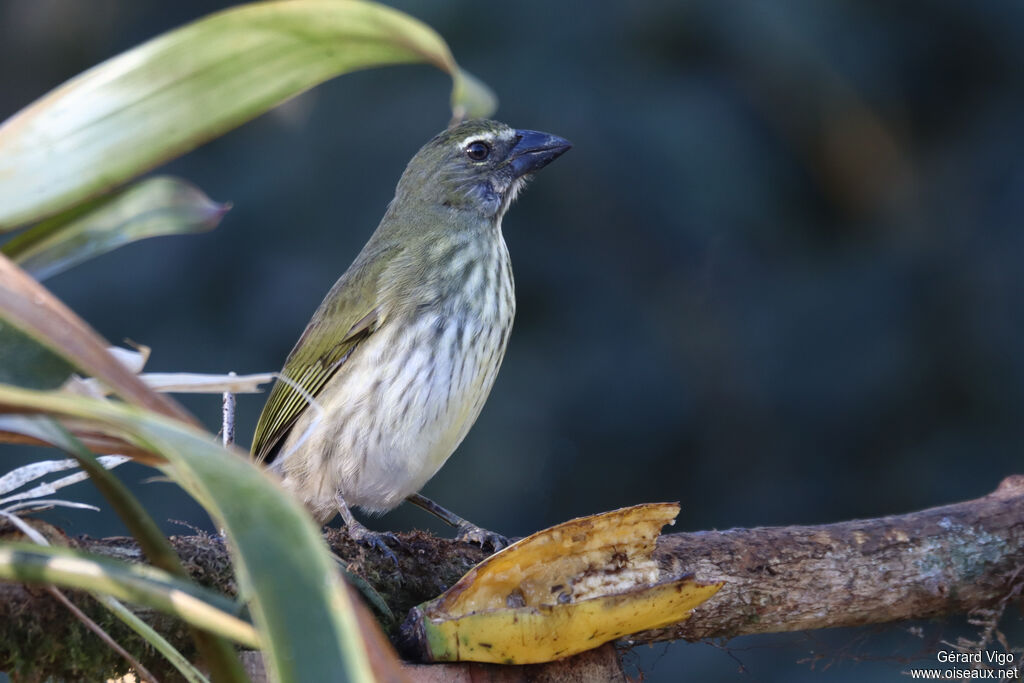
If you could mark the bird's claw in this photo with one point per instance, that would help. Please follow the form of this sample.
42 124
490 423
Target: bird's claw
471 533
375 540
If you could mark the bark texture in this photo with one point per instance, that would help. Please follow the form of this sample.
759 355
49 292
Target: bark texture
948 560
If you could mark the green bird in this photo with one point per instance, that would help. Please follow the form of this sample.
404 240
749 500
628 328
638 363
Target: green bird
396 363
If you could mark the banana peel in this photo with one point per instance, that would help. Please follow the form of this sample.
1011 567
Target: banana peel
559 592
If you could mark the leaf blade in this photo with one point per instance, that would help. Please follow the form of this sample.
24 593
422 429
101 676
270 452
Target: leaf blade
138 584
157 206
309 625
26 363
185 87
31 308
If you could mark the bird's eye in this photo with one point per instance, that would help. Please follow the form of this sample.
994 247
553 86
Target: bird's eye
478 151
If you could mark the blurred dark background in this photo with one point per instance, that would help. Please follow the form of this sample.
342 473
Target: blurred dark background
777 279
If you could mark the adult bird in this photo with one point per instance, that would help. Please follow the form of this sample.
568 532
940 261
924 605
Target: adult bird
397 361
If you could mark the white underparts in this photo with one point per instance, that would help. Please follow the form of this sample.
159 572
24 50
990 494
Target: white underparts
410 392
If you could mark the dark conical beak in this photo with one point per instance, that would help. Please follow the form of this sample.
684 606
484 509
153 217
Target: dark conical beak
534 150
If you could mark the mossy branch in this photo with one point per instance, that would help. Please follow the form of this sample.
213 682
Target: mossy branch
943 561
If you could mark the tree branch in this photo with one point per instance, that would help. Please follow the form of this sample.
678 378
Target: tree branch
947 560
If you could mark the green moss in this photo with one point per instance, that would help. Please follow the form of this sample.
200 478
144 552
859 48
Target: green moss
65 650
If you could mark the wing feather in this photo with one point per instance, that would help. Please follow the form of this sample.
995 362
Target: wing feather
321 351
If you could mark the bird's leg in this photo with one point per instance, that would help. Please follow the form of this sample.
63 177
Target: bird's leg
360 534
467 531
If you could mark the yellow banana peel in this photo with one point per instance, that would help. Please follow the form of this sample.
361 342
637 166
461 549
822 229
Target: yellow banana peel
559 592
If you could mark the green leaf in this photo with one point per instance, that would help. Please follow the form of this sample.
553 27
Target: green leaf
217 652
26 363
471 98
30 307
303 612
138 584
185 87
179 661
153 207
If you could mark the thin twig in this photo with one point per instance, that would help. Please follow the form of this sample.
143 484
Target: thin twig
140 671
228 417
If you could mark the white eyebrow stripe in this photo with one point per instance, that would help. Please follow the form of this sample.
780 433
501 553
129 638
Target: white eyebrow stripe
487 136
477 137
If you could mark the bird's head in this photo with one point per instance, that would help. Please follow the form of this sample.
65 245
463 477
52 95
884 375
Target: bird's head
478 166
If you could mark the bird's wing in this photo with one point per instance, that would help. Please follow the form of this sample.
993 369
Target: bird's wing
347 316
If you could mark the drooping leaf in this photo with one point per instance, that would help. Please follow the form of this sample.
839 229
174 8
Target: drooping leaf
178 90
189 672
219 655
156 206
307 621
106 600
471 98
139 584
30 307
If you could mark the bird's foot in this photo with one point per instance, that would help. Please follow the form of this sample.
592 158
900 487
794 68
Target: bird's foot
375 540
467 531
471 533
360 534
